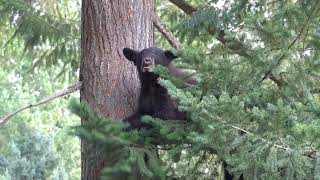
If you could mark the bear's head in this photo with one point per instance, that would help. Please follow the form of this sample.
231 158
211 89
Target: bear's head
147 59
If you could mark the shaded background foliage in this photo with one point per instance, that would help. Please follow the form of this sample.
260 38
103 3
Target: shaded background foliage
39 55
258 62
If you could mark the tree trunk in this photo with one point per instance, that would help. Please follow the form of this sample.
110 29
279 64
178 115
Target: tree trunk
110 84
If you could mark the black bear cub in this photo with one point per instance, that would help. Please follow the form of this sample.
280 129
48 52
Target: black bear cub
154 99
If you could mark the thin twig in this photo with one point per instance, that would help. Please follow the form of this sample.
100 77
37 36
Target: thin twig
68 90
264 140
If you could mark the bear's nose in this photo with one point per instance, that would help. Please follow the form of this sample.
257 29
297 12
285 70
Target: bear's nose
148 61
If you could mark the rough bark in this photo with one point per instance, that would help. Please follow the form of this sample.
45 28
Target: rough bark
110 84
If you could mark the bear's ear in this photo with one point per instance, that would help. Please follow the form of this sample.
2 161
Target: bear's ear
170 55
130 54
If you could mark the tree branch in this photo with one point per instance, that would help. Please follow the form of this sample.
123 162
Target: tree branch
184 6
231 43
68 90
174 42
219 34
184 74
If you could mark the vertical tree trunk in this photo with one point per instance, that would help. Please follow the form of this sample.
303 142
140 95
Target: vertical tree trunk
110 84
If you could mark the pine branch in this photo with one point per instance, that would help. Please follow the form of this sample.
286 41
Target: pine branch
268 74
29 13
264 140
53 27
68 90
310 153
176 44
234 44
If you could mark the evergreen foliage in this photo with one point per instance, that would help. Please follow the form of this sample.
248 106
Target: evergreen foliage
30 156
126 151
30 31
256 106
44 31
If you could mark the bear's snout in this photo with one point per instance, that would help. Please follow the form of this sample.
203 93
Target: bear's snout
147 64
147 61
